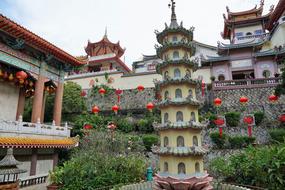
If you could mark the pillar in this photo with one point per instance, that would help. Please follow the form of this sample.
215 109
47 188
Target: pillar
58 103
38 99
33 168
21 103
43 107
55 158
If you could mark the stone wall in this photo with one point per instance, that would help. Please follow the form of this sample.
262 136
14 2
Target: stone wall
258 100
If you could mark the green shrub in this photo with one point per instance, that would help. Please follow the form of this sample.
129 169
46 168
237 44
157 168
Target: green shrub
277 135
149 140
259 116
97 121
217 140
124 125
145 125
232 118
240 141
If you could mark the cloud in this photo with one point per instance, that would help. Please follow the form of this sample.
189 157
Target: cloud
70 23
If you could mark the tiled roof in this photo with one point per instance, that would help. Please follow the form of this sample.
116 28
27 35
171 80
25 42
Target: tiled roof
180 151
25 142
10 27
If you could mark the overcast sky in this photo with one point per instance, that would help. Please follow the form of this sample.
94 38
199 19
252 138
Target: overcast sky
70 23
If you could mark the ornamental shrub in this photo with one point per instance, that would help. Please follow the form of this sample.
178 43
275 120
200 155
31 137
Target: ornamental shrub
149 140
217 140
124 125
240 141
277 135
232 118
259 116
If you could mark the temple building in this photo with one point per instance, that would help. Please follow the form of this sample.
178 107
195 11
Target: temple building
180 151
250 55
31 67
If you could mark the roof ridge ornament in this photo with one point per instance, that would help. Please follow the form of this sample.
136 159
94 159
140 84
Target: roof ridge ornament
172 6
106 33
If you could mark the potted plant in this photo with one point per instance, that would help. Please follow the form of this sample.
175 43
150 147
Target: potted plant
55 178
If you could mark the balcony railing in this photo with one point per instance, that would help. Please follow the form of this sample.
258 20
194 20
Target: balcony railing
28 129
246 83
251 36
33 180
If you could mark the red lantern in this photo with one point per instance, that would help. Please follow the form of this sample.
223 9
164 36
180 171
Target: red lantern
273 98
282 118
95 109
115 108
248 120
219 122
102 91
21 75
150 106
83 93
87 127
243 100
217 102
140 88
118 93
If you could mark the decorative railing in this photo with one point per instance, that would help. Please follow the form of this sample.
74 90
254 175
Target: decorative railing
26 128
74 75
246 83
251 36
33 180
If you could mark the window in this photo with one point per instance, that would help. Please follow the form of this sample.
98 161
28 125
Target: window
177 73
178 93
151 67
188 73
266 74
197 167
181 168
221 77
239 34
165 167
175 55
166 75
195 141
166 95
165 142
179 116
165 118
248 34
174 38
193 118
190 93
180 141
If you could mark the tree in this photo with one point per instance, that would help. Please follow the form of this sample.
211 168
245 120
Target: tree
280 89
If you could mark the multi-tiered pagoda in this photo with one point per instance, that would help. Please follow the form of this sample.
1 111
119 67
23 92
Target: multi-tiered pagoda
181 152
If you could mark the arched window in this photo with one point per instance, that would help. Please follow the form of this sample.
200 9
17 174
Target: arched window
266 74
165 118
166 95
181 168
180 141
195 141
197 167
193 118
221 77
179 116
188 73
178 93
177 73
190 93
165 167
174 38
166 75
175 55
165 142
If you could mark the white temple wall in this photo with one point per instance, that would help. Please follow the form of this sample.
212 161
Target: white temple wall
9 95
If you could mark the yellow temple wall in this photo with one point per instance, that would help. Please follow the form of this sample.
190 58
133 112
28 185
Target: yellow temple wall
170 37
171 90
173 162
170 53
186 110
171 69
187 134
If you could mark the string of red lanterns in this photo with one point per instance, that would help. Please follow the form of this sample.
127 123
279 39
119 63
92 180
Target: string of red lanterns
217 102
150 106
102 91
243 100
95 109
140 88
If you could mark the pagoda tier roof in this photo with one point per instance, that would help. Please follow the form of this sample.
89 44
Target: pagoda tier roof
190 46
181 80
19 32
271 52
8 165
179 125
276 14
179 101
258 11
180 151
106 46
26 142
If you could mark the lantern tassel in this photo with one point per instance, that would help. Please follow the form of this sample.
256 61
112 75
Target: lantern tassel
249 130
221 131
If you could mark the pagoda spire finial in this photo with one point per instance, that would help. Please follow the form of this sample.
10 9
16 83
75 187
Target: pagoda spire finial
172 6
105 35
